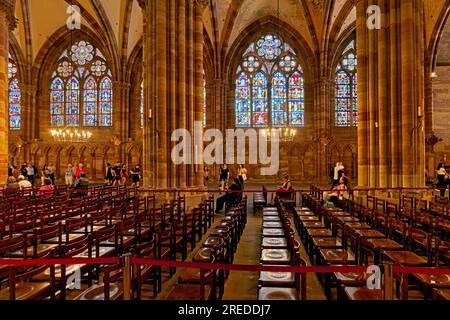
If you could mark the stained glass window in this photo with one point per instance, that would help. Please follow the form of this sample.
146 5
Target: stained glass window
72 102
346 93
296 100
90 102
260 102
14 96
269 85
141 104
278 99
81 86
106 109
243 113
204 100
14 105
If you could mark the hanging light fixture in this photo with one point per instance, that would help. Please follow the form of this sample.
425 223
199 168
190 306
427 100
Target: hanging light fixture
73 136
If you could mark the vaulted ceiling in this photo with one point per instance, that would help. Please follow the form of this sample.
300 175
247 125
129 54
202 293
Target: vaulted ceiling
120 21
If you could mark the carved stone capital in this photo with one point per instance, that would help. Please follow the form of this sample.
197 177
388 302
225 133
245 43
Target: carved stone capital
202 3
9 7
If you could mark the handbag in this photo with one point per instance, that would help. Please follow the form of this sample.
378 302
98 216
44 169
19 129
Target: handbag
244 177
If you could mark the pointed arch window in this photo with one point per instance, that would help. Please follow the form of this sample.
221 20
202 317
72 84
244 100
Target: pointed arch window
141 104
269 85
346 92
81 92
204 99
14 96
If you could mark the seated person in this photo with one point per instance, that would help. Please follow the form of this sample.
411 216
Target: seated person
341 191
46 191
229 196
25 184
82 182
283 190
11 185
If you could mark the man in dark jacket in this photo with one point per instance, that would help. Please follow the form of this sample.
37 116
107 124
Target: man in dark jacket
230 196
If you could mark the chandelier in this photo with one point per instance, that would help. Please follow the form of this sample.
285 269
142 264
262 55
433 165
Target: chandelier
68 135
283 134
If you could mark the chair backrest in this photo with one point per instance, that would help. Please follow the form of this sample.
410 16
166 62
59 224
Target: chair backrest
107 234
111 273
12 244
21 274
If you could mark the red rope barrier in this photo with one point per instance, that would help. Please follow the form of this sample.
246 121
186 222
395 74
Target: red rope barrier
219 266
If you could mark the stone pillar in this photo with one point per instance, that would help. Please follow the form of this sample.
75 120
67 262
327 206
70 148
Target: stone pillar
173 80
7 23
198 85
182 84
391 150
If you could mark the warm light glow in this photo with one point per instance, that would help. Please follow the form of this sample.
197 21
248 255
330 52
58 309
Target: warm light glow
70 136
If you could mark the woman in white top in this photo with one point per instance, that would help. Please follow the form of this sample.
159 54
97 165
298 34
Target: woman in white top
441 176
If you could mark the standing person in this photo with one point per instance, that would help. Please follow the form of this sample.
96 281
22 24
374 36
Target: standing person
123 174
136 176
242 174
116 173
51 175
31 172
224 176
45 174
441 176
108 174
205 175
338 170
79 170
70 173
23 170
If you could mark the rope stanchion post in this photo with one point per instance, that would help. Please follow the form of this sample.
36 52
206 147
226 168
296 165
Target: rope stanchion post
127 274
388 282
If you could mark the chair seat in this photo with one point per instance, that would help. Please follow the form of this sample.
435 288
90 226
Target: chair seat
271 219
357 225
97 292
203 255
352 277
441 294
337 256
27 291
270 293
187 292
308 218
270 214
436 281
313 224
272 224
363 293
276 279
274 243
273 232
302 209
211 242
326 243
275 256
319 232
405 258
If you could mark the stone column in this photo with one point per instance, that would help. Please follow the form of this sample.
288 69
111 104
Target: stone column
391 142
7 23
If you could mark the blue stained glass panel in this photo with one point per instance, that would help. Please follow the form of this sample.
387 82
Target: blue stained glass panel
90 102
278 99
260 100
72 102
14 105
296 100
342 99
242 106
106 108
57 99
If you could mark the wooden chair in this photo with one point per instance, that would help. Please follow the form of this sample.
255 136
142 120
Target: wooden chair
205 290
146 273
111 287
23 286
